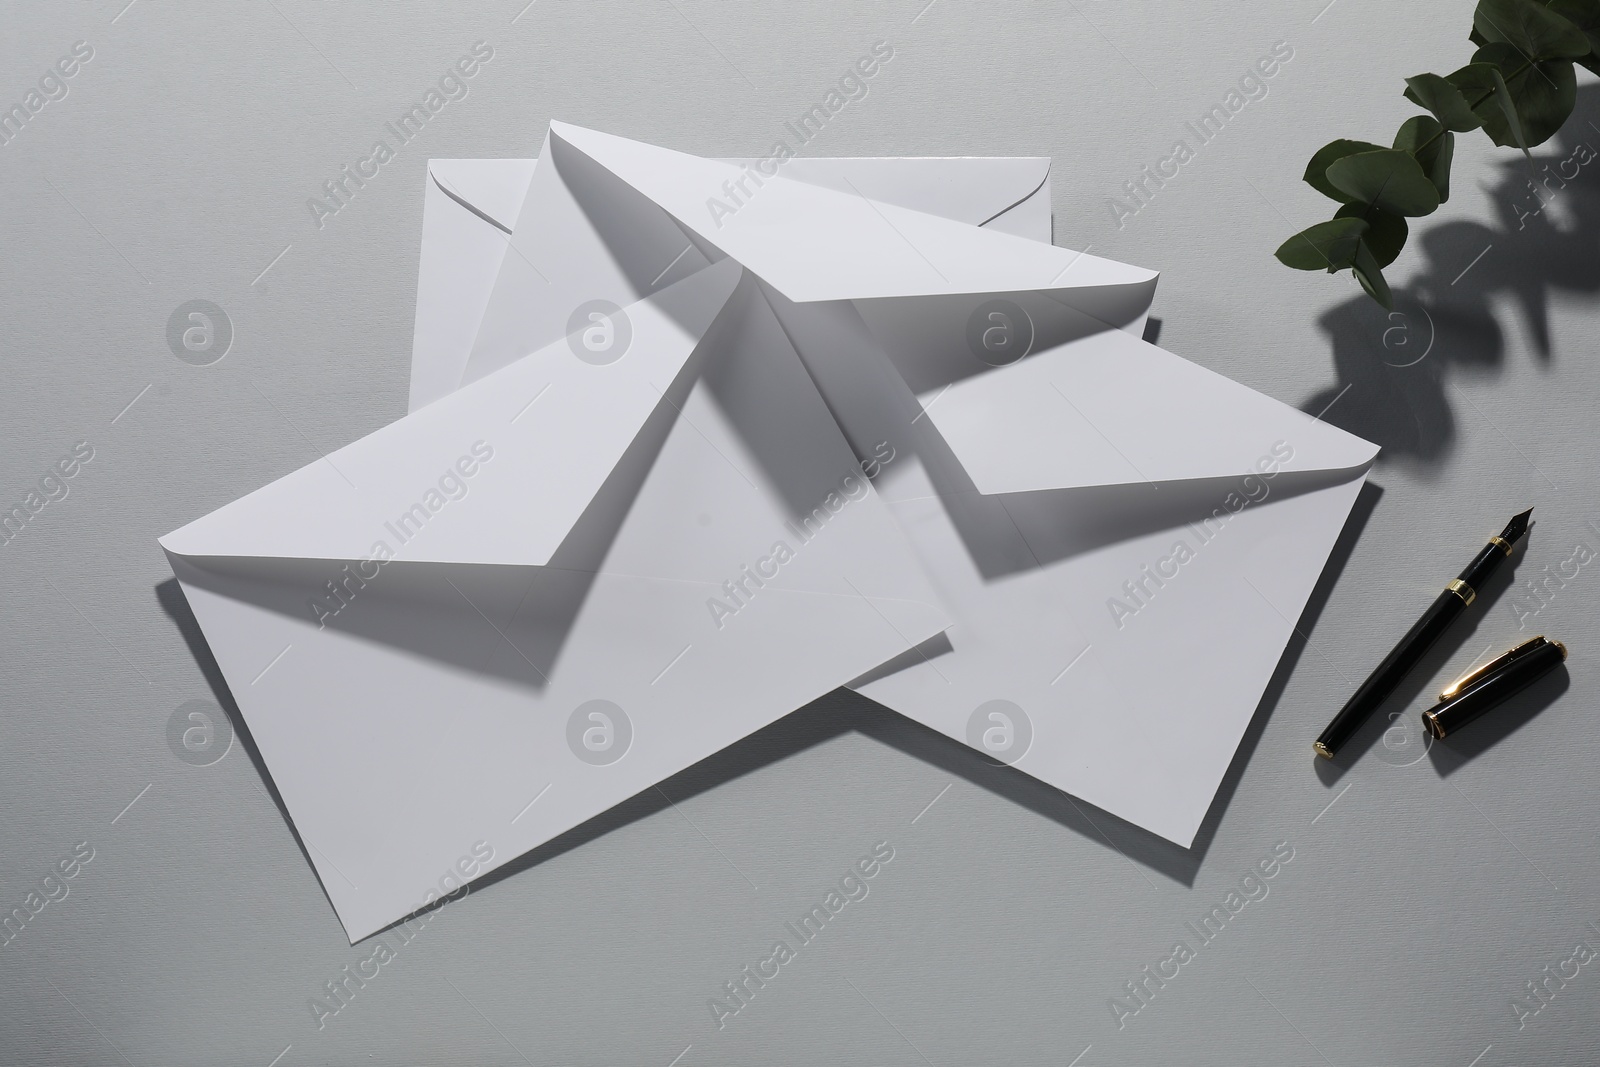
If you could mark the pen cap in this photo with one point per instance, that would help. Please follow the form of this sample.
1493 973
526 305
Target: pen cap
1480 690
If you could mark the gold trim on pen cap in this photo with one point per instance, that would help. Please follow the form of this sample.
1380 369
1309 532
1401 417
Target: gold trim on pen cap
1505 546
1450 691
1462 590
1322 750
1430 720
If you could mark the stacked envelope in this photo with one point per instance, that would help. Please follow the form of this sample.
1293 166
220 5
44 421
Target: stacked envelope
692 442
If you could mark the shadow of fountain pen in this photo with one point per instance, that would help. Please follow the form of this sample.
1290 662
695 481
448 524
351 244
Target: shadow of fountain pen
1421 637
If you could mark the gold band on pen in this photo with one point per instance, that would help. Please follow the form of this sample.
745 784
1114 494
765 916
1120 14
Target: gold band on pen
1462 590
1430 722
1505 546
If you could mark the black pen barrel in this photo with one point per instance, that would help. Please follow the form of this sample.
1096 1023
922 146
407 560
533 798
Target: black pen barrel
1484 565
1388 675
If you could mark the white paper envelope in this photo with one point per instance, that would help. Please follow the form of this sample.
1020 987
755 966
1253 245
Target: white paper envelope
1126 542
600 574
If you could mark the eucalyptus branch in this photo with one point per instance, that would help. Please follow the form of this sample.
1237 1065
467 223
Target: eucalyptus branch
1519 88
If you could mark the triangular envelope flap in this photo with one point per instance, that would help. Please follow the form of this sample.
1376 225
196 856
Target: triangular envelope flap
496 472
970 189
492 189
1109 409
813 243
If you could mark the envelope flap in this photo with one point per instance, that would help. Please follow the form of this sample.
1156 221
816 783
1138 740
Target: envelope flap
814 243
496 472
492 189
970 189
1109 408
469 206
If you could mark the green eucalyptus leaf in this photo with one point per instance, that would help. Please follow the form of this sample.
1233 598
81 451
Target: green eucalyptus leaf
1444 100
1477 38
1316 171
1439 168
1327 246
1388 179
1584 14
1485 90
1432 146
1543 93
1386 231
1531 28
1508 107
1371 276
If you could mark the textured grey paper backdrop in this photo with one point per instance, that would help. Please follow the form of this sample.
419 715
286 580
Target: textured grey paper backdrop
1427 888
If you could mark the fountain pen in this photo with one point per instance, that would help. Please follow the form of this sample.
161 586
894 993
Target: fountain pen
1421 637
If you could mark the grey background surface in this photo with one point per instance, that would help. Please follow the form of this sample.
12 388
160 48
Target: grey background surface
1427 886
